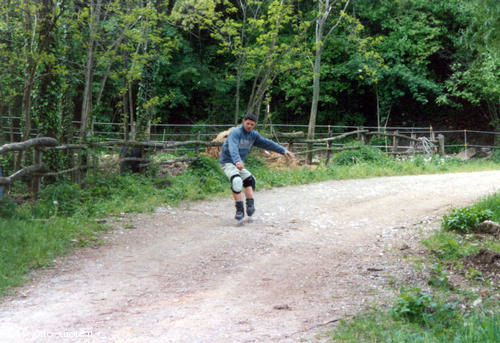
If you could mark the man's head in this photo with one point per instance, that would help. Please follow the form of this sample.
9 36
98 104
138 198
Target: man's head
249 122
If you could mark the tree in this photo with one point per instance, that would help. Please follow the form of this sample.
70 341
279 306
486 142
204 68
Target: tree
325 9
260 34
476 73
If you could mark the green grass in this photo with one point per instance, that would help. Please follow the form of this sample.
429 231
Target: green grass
31 243
478 326
65 215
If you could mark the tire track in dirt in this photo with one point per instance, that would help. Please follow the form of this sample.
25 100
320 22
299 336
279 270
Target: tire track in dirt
315 253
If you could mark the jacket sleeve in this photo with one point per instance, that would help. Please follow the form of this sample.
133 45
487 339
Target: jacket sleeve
233 144
268 144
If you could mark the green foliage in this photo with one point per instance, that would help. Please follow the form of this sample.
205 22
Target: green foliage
449 246
491 203
28 244
210 175
193 61
449 326
423 308
362 154
380 141
8 207
439 276
61 199
465 219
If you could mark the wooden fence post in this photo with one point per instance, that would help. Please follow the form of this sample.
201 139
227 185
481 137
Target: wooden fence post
441 145
197 147
1 188
290 144
328 146
148 130
71 155
132 131
361 135
395 141
95 163
35 182
78 172
412 142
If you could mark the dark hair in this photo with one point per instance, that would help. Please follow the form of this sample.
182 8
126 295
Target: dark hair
250 116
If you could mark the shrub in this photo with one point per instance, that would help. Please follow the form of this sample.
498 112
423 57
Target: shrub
209 173
7 208
379 141
422 308
464 220
60 199
450 246
362 154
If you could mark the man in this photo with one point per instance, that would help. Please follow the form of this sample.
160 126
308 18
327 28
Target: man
234 151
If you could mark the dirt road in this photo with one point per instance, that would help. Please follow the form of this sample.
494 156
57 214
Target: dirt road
315 253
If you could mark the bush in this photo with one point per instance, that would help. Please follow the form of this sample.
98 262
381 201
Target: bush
60 199
495 156
379 141
413 305
464 220
211 177
362 154
423 309
450 246
8 208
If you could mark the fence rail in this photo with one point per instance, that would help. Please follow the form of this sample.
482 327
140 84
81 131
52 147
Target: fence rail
455 139
184 138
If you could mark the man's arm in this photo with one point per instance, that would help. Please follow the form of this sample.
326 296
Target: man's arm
268 144
233 142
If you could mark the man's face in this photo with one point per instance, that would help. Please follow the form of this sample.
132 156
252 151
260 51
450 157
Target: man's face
249 125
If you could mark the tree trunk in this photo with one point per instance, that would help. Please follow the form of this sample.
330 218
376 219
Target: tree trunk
378 107
324 11
125 109
316 86
47 106
261 85
89 68
87 92
237 96
31 67
26 108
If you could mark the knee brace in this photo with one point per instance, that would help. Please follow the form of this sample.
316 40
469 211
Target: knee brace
249 181
236 184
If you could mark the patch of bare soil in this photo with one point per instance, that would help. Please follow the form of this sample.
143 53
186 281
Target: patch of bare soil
487 262
315 253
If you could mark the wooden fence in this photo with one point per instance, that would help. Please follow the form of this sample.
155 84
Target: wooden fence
84 157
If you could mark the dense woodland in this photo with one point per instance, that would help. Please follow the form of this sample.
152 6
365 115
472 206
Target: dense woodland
339 62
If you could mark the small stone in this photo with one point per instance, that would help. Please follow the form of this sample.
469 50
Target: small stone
282 307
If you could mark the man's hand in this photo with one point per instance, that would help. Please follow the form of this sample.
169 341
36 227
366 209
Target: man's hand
239 165
289 154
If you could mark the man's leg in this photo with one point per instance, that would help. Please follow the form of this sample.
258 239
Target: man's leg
239 196
248 192
249 186
234 177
